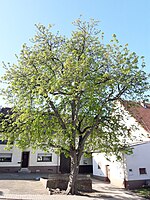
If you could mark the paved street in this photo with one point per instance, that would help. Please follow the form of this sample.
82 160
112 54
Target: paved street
27 186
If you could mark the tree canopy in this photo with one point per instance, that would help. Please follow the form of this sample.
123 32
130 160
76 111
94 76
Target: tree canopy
63 91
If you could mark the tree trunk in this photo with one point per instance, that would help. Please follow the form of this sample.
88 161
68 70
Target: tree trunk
72 186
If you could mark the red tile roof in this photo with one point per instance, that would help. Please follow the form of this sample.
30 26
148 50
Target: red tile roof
140 111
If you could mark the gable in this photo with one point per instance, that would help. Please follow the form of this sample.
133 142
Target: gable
140 112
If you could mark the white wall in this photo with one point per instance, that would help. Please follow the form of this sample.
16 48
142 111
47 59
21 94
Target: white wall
129 170
139 159
116 171
99 160
55 159
33 159
16 156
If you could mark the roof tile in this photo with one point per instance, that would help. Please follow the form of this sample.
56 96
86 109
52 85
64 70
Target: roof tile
140 111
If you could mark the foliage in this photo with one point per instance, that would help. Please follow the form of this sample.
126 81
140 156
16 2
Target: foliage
63 91
144 192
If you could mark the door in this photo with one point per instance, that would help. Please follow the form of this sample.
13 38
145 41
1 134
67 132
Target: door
25 159
64 164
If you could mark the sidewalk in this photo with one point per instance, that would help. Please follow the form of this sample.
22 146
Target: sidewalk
28 187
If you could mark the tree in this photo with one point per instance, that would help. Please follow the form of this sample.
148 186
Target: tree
63 93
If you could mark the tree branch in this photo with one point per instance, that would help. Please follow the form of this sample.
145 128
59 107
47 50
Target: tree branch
57 114
73 118
54 59
83 47
58 146
119 94
61 93
87 134
85 129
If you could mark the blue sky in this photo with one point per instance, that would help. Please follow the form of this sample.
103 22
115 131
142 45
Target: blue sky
128 19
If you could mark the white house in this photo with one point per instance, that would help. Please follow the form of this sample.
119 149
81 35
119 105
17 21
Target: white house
137 166
134 170
15 160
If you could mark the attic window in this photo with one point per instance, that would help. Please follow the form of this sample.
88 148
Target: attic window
142 170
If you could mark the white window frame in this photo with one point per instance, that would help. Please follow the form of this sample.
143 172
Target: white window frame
4 156
44 157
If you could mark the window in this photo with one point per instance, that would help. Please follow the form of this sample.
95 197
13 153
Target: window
85 162
3 141
99 167
130 172
5 157
44 157
142 170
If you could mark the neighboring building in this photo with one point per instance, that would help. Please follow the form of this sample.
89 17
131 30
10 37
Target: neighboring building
137 166
134 170
14 160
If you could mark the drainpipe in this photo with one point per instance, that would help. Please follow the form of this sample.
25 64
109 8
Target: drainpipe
124 171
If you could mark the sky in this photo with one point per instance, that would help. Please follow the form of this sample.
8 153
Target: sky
128 19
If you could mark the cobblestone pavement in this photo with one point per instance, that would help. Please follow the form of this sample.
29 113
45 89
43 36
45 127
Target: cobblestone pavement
28 187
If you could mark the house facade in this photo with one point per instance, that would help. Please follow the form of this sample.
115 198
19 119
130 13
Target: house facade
133 170
15 160
137 166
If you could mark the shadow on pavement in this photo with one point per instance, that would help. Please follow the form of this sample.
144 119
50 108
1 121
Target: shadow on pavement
23 176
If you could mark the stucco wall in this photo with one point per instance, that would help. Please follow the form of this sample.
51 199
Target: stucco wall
115 171
129 170
99 164
33 159
16 156
139 159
